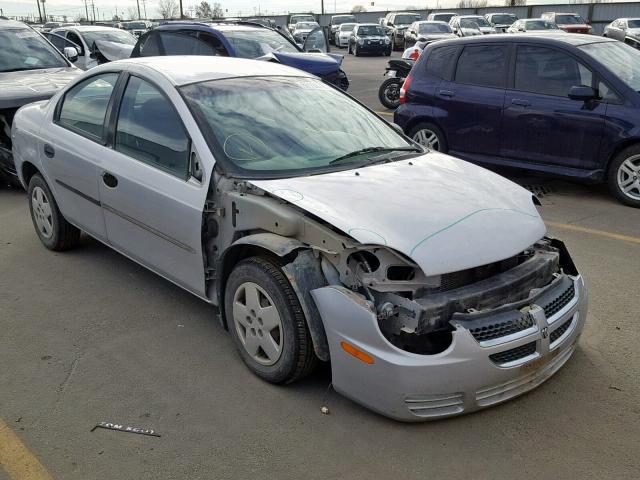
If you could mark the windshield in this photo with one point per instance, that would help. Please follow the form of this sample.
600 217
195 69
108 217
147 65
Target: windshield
306 25
503 19
116 36
302 18
286 125
468 22
433 28
621 59
135 26
569 20
405 19
347 27
341 20
541 25
633 23
24 49
256 43
370 30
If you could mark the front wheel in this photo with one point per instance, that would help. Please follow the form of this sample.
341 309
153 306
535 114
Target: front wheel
430 136
52 228
389 92
624 176
267 323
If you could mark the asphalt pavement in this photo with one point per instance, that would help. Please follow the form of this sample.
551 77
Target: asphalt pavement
88 336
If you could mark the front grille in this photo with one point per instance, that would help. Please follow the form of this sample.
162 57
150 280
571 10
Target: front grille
6 119
558 332
501 328
514 354
557 304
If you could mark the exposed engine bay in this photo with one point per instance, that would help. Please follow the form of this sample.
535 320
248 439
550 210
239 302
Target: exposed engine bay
416 312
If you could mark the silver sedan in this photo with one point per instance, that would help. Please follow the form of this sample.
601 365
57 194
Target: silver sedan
318 238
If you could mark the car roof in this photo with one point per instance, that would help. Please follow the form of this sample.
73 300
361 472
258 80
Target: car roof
368 24
182 70
12 24
438 22
574 39
88 28
220 26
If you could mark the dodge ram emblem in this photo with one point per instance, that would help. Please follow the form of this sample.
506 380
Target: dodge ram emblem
545 332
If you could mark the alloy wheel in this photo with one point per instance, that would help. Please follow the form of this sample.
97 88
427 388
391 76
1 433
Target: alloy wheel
628 177
427 138
42 212
258 323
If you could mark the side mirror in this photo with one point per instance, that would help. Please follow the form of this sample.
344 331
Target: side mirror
582 93
71 53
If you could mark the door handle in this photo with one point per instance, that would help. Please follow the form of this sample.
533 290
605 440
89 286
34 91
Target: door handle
446 93
520 102
49 151
109 180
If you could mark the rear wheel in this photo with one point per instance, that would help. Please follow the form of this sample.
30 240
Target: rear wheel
54 231
430 136
624 176
389 92
267 323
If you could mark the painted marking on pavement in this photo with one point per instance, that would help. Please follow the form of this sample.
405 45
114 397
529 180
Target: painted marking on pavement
17 460
385 113
593 231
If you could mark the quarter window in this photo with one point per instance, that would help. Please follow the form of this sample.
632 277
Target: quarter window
483 65
548 72
440 61
150 130
85 105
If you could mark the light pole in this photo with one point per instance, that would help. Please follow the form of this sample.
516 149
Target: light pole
39 12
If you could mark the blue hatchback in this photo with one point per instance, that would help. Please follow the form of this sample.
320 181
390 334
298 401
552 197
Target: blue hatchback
244 40
562 104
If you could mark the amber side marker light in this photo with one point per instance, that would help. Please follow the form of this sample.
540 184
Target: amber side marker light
359 354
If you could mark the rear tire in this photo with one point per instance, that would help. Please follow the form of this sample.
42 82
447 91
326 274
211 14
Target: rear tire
52 228
623 176
267 323
430 136
389 93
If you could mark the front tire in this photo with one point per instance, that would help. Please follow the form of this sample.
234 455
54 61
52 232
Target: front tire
52 228
430 136
624 176
267 323
389 92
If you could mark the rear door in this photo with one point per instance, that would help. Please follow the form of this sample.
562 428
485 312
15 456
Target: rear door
152 206
542 124
73 150
470 105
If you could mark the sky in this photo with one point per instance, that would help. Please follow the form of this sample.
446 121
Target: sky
107 8
72 8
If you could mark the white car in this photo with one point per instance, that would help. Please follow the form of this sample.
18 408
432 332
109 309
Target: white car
425 280
301 31
533 25
343 34
95 45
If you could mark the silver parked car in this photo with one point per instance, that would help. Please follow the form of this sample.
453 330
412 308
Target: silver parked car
624 29
427 281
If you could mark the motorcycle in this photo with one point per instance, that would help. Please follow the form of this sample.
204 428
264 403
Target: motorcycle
389 92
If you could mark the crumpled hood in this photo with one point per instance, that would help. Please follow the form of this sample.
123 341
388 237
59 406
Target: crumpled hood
633 32
315 63
445 214
113 50
20 88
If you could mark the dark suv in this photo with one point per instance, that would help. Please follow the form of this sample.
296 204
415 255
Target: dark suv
560 104
244 40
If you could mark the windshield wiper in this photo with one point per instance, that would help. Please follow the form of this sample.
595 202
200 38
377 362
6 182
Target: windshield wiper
373 149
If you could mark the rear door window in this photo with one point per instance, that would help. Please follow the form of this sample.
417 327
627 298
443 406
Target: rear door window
483 65
441 61
548 72
84 106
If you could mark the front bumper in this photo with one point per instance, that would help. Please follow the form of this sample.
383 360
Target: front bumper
339 79
469 375
375 47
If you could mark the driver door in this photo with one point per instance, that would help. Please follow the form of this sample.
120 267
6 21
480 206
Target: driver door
316 42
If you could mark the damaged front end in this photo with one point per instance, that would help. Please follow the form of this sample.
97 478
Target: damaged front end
452 343
7 167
